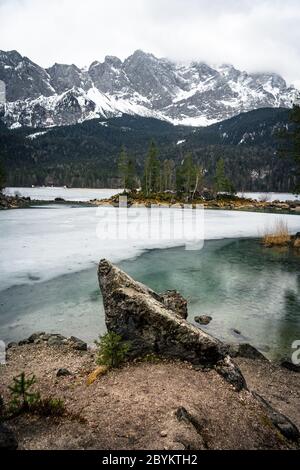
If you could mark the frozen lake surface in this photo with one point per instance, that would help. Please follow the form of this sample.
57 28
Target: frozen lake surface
85 194
49 257
42 243
68 194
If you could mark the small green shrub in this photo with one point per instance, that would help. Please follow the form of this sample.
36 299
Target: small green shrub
112 350
151 358
22 398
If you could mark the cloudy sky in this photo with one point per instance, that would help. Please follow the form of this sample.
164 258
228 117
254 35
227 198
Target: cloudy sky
255 35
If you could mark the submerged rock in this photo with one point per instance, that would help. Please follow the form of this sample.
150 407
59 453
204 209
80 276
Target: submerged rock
203 319
140 316
237 332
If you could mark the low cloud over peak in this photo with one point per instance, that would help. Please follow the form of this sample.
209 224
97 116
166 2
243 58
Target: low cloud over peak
257 35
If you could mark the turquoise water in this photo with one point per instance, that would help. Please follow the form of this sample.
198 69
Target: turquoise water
242 285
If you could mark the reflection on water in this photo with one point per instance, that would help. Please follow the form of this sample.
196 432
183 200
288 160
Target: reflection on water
242 285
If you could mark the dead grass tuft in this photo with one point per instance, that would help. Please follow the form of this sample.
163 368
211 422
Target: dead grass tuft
276 235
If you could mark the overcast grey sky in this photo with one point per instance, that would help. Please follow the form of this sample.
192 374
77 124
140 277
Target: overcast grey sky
255 35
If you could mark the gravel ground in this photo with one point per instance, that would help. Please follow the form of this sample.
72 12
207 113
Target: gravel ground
135 407
281 387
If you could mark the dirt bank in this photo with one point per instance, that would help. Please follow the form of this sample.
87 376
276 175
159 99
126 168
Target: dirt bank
144 405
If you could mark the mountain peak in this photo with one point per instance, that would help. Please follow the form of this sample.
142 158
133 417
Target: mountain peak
139 54
57 65
11 54
196 94
113 60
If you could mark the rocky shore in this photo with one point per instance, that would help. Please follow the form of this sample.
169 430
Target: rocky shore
14 202
162 200
20 202
179 389
224 203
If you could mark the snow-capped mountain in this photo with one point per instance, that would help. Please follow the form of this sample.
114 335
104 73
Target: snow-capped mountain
195 94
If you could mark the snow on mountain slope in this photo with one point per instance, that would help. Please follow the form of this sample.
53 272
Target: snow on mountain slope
195 94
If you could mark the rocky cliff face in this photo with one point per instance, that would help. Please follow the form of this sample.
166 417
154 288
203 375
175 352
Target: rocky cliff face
195 94
24 79
155 323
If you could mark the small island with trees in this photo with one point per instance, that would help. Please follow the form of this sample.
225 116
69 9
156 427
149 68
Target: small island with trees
165 183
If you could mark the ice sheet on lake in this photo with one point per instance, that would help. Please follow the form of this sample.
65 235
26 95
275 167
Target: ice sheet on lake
40 244
84 194
270 197
68 194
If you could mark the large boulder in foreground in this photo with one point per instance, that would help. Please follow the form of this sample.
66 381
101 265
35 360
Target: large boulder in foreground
144 318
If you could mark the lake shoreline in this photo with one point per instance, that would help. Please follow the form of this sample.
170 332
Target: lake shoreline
237 204
57 303
226 384
225 202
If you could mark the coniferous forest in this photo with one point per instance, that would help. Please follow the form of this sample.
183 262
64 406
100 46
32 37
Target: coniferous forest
246 152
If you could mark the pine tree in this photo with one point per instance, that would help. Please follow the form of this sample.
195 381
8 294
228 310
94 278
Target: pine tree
199 177
112 350
295 140
168 175
220 179
186 175
222 183
130 180
189 173
122 167
127 171
22 396
2 176
151 180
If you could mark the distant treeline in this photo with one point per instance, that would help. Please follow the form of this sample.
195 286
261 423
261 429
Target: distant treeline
244 148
